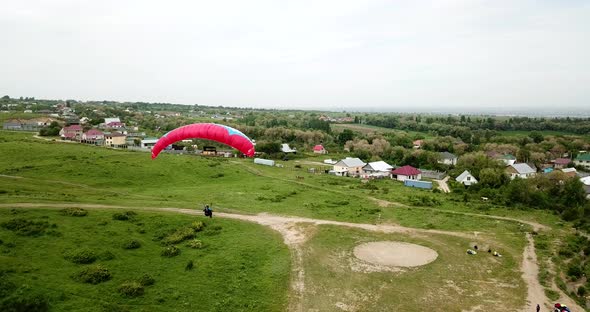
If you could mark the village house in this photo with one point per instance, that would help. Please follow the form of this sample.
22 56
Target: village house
73 132
508 159
447 158
148 142
349 167
521 170
92 136
466 178
570 172
560 163
418 144
583 160
406 173
115 139
319 149
377 169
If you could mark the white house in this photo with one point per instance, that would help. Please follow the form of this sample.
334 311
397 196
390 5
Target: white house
148 142
285 148
583 160
349 167
521 170
447 158
377 169
466 178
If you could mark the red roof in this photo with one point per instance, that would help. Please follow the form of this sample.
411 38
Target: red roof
562 161
73 128
94 132
318 148
418 142
406 170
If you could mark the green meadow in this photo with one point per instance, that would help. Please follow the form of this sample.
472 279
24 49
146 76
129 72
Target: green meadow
237 266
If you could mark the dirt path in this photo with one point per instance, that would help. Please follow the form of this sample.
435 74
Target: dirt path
294 237
530 274
442 185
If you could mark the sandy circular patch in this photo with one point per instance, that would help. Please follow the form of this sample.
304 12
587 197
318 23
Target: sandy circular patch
395 254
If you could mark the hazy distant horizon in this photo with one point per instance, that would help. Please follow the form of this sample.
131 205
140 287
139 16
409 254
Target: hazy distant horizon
375 55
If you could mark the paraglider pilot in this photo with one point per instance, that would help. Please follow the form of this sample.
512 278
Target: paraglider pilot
208 211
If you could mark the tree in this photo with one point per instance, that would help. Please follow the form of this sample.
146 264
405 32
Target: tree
344 136
536 136
493 178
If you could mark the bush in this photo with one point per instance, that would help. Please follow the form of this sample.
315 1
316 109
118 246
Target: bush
23 299
124 216
179 235
131 289
212 230
73 212
146 280
575 272
82 256
26 227
170 251
197 226
93 275
106 255
581 291
195 244
131 244
189 266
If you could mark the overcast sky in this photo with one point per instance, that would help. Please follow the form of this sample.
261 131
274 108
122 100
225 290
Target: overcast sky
337 55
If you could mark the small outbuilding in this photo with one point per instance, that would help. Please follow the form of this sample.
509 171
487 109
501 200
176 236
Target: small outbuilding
319 149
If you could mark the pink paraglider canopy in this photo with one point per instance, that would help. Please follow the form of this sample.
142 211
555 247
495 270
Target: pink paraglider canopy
209 131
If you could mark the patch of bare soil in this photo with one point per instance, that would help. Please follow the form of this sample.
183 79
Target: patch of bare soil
396 254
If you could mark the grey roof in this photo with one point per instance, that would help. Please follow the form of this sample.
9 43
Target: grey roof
447 155
352 162
523 168
463 175
379 166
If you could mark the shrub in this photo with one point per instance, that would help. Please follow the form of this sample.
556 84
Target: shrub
131 289
124 216
131 244
73 212
82 256
581 291
179 235
197 226
189 265
23 299
552 294
170 251
195 244
106 255
93 275
146 280
212 230
26 227
575 272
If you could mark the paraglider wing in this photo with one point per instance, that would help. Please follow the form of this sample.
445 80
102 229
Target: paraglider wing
209 131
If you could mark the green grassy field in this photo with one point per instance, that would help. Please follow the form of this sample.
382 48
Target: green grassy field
38 171
452 282
241 267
